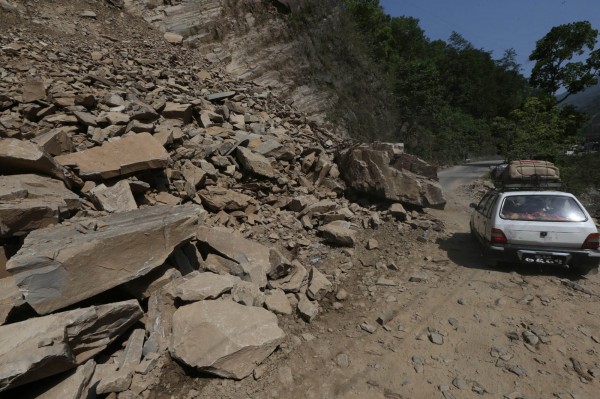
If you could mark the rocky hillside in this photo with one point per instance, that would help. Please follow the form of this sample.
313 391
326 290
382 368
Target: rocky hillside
157 210
303 51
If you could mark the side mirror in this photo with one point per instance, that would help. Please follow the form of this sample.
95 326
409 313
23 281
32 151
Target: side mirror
473 205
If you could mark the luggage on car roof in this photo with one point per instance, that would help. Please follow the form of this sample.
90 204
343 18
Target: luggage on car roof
531 169
532 173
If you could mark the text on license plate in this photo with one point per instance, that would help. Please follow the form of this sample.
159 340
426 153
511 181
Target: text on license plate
543 259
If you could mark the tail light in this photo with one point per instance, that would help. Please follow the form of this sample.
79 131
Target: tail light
592 241
498 237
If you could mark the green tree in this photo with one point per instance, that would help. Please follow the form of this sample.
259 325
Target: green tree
555 68
535 131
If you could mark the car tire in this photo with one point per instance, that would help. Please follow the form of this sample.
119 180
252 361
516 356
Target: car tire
473 232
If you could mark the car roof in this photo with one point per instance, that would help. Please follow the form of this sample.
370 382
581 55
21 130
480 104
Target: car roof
537 192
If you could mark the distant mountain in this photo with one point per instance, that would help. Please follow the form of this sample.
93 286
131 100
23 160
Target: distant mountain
588 101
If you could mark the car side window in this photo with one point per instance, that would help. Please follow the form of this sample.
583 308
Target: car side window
490 205
483 202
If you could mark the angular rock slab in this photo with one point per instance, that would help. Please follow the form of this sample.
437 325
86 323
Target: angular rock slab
74 386
255 163
40 347
252 258
30 202
372 172
116 198
10 297
339 233
62 265
224 338
121 157
19 157
198 286
218 198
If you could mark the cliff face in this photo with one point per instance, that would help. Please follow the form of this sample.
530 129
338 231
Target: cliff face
300 50
249 38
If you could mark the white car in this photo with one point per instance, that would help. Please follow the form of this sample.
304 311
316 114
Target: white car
548 228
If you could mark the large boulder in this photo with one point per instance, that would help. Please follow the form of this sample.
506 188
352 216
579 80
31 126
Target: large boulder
62 265
40 347
224 338
30 202
381 173
120 157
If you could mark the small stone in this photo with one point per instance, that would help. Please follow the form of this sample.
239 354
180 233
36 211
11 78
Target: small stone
436 338
308 337
418 277
173 38
477 388
341 295
368 328
530 338
372 244
342 360
418 363
386 282
462 301
459 383
88 14
513 336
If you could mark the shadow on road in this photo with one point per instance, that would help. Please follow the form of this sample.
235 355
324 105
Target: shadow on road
465 251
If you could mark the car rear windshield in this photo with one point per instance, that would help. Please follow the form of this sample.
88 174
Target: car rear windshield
540 207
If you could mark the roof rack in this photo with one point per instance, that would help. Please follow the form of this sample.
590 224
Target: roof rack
531 183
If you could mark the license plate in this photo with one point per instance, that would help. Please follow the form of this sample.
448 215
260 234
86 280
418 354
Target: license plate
543 259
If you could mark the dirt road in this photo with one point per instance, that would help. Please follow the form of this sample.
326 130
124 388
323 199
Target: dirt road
456 328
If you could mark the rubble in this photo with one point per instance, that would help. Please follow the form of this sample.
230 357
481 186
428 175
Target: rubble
110 151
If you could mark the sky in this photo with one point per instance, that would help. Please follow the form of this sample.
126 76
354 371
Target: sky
496 25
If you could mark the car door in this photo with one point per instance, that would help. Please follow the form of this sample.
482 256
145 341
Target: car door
479 218
488 214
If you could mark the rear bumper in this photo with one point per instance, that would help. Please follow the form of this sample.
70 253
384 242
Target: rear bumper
580 258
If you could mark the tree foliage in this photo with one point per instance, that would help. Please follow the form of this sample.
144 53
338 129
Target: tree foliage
448 100
554 54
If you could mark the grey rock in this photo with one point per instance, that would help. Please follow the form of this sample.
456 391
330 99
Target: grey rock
75 385
306 308
436 338
224 338
115 198
247 293
218 198
20 157
198 286
130 154
255 163
339 233
40 347
251 258
318 285
139 242
375 172
277 302
30 202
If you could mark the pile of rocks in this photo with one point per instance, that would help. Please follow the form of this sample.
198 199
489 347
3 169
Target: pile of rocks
131 170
